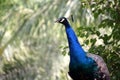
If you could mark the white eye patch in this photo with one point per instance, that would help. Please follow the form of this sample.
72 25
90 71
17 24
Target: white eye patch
62 20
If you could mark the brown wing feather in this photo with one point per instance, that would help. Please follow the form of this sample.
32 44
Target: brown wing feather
102 65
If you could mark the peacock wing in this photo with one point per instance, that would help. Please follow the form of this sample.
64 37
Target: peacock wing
101 65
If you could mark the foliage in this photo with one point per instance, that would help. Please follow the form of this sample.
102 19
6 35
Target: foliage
107 31
26 28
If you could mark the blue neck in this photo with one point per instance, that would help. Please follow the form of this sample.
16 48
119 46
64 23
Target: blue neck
77 54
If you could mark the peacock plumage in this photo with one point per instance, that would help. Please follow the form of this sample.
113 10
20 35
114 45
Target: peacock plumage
83 66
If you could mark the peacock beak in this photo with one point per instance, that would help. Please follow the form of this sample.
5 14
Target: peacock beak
57 21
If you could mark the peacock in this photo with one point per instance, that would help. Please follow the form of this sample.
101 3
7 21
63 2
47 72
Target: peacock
82 65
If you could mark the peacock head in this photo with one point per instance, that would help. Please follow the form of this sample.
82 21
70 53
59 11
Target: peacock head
62 20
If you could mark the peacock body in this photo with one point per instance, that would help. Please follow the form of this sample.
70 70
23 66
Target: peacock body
83 66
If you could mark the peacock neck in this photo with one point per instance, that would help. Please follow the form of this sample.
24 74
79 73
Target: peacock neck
76 51
71 36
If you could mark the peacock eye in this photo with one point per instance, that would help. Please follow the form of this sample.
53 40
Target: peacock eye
62 20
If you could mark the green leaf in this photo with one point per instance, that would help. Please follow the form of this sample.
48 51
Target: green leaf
98 33
93 41
86 42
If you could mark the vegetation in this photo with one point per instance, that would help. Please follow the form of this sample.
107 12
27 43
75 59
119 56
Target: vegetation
30 40
107 29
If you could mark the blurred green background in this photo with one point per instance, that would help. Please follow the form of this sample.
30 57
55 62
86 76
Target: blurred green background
34 47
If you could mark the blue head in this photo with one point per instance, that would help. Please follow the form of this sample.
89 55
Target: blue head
62 20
